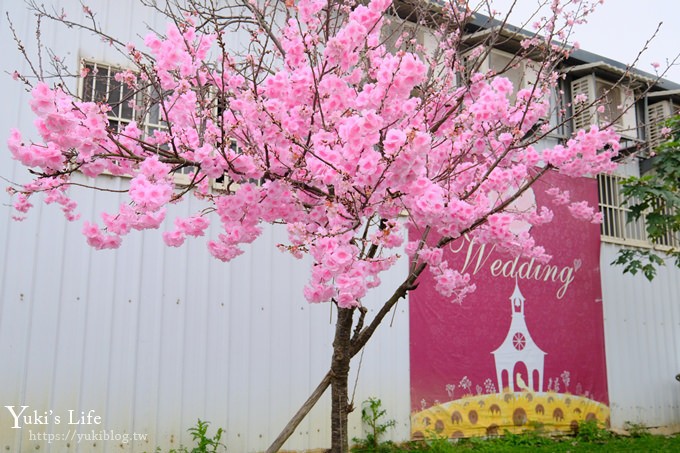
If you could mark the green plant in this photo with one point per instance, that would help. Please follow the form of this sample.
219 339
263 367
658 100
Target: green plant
654 198
590 431
527 438
529 442
372 415
438 444
205 444
637 429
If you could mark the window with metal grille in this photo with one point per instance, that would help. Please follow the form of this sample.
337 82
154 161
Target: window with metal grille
615 227
100 85
657 113
127 105
222 183
596 101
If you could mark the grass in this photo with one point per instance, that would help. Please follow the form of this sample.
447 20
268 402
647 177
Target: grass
590 438
565 445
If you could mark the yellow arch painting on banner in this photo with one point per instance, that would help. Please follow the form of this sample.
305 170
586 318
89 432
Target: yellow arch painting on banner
493 414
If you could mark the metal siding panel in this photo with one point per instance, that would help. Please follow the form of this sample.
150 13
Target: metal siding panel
261 278
15 277
239 354
196 320
71 324
171 357
281 374
149 341
641 333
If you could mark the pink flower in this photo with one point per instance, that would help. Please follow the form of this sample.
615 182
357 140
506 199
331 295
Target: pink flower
432 256
580 98
22 204
394 140
99 240
148 195
581 210
174 238
193 226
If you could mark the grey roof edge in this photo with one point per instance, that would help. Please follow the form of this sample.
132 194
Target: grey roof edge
578 56
588 57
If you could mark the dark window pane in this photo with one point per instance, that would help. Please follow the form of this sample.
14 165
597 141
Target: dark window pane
125 108
115 94
101 82
154 114
88 83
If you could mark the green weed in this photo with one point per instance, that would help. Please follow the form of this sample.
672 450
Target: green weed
636 429
590 431
204 443
373 416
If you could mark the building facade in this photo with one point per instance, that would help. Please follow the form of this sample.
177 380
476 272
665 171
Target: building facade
151 339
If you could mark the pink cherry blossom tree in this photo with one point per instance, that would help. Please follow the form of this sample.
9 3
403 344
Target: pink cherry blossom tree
333 121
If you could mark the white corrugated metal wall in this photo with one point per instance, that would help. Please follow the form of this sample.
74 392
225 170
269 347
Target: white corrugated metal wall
153 338
642 335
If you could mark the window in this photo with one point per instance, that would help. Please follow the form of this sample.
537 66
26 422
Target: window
407 34
514 71
615 227
611 100
596 101
221 183
100 85
656 114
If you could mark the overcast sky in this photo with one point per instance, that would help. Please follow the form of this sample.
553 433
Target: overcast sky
619 28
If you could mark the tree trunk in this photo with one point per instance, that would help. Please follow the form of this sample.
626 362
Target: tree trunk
356 344
339 374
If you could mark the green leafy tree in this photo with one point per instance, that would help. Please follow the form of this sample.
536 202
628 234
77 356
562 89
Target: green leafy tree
655 198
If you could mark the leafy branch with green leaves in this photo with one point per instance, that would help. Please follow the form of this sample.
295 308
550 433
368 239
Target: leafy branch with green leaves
655 198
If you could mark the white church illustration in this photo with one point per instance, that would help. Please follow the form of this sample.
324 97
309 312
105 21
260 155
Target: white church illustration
517 347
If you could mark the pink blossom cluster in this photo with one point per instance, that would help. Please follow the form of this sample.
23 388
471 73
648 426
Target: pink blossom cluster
560 197
191 226
587 153
583 211
349 141
448 282
68 127
340 274
181 51
54 191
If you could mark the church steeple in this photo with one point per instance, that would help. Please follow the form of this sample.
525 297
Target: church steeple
517 300
517 347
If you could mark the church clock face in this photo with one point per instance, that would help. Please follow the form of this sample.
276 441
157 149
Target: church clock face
519 341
